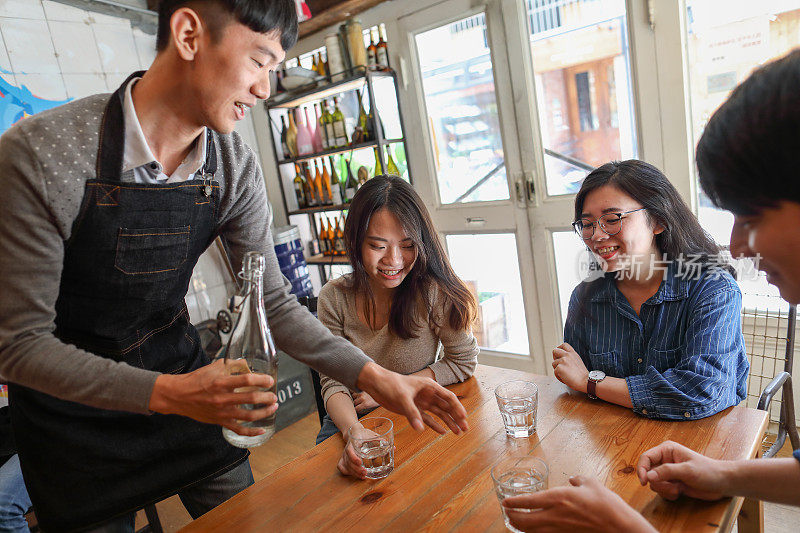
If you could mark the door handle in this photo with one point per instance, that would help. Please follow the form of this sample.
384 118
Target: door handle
530 188
520 194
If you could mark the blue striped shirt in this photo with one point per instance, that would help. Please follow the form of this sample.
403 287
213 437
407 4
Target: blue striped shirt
682 357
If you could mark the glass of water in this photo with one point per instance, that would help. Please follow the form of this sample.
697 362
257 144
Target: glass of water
373 441
514 476
518 401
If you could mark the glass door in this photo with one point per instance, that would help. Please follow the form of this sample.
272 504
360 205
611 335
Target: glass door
458 86
575 111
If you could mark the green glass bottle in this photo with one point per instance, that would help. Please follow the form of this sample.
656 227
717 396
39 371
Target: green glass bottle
339 130
378 167
391 167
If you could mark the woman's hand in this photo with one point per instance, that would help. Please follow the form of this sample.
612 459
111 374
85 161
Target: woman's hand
673 469
363 402
569 368
350 464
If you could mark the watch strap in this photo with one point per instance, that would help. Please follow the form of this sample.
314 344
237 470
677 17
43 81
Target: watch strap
591 389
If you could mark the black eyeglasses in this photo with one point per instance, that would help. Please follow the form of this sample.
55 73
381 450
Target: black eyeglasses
611 223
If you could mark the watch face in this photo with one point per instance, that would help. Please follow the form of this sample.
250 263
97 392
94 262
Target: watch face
597 375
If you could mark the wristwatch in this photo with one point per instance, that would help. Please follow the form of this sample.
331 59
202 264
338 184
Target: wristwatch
595 377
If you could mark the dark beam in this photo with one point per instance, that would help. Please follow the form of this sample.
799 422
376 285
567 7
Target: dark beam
334 13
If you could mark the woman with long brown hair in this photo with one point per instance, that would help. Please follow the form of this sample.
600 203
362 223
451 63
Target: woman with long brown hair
403 304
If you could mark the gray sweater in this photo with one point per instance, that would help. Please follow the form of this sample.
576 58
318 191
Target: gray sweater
45 161
450 354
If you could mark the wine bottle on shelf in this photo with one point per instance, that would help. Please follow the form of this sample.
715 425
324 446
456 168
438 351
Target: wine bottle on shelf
323 237
378 167
284 134
299 189
318 187
326 184
279 83
391 167
339 129
321 65
382 51
336 186
329 236
313 200
291 136
338 240
304 144
350 184
323 135
372 51
361 133
316 136
327 117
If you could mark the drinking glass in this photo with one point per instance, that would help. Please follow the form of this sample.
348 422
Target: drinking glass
373 442
517 475
518 401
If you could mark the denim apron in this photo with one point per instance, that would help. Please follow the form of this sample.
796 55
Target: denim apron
126 270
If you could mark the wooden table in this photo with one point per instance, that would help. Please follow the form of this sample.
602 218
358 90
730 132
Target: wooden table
442 482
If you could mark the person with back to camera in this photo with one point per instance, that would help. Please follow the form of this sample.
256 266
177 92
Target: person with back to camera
402 304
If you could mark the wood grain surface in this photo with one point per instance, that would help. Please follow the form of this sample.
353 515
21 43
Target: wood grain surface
442 482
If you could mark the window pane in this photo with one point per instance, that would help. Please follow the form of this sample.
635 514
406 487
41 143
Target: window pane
493 276
572 261
458 82
725 42
582 69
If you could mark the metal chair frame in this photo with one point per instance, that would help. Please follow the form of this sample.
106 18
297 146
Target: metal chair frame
783 381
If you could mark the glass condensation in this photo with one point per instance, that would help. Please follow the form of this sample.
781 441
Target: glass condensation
581 63
458 84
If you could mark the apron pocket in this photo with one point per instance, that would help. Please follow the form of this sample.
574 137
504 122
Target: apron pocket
151 250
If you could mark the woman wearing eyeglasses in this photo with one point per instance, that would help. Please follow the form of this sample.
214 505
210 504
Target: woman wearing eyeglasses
660 330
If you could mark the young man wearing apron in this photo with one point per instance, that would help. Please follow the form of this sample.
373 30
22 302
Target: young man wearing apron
109 202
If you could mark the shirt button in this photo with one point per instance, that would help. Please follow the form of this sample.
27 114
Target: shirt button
686 414
154 166
639 360
644 411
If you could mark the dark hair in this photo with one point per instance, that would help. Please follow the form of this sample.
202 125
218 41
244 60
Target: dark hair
262 16
649 186
747 155
431 269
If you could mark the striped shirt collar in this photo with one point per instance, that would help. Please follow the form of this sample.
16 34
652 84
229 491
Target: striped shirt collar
673 287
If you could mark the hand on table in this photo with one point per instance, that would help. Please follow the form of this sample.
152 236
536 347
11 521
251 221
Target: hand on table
585 506
673 469
417 398
363 402
211 395
568 367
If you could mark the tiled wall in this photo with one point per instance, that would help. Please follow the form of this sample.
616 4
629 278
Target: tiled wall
61 52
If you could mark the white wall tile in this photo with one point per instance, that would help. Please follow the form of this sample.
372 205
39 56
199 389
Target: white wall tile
47 86
194 311
75 47
145 46
219 299
5 63
117 48
63 12
99 18
29 45
27 9
81 85
115 79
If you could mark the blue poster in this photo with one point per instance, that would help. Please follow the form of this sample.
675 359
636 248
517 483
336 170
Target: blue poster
17 103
